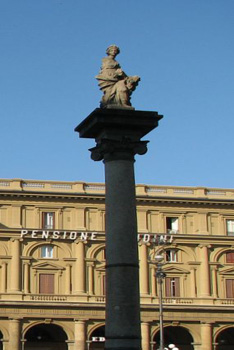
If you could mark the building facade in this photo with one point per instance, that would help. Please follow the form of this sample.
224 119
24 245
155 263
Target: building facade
52 265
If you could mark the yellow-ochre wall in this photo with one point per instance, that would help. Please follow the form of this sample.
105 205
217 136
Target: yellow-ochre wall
200 243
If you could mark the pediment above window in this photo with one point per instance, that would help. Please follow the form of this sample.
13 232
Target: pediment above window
175 270
227 271
47 266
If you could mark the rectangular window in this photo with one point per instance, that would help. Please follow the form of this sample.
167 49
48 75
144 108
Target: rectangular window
172 225
230 227
47 251
46 283
171 255
172 287
48 220
230 288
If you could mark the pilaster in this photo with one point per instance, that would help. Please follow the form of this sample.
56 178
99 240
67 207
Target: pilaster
80 335
206 336
15 265
14 334
204 272
145 332
79 269
144 273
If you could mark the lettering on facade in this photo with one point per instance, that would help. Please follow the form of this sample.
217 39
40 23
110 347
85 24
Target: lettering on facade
98 339
46 234
159 238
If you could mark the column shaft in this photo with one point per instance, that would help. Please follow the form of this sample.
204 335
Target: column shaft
4 277
79 278
145 331
206 336
144 274
193 283
204 280
15 265
80 335
26 278
68 279
90 269
122 270
14 334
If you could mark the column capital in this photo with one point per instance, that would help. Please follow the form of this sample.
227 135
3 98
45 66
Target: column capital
123 149
118 132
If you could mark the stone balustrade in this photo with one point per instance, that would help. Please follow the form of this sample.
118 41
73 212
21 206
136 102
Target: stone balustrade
99 188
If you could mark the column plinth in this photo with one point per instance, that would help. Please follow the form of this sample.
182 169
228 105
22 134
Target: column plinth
118 134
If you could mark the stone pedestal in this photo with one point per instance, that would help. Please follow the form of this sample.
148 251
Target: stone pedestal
118 134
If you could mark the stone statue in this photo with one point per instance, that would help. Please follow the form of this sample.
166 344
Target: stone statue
117 87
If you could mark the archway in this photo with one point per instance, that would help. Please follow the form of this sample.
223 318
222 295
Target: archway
47 337
225 339
97 339
175 335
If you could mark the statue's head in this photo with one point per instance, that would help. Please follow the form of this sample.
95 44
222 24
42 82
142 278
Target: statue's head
113 50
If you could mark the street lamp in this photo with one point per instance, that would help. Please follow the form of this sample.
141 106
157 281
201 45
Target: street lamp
160 275
172 347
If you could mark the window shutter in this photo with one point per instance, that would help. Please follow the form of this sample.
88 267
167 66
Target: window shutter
230 257
168 286
177 287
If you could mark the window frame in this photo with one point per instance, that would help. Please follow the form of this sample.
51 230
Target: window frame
48 250
172 287
47 216
46 288
170 222
231 232
171 255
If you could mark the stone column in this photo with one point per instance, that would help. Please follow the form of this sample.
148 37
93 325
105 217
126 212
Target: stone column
122 269
118 134
206 336
145 331
4 277
193 282
144 274
204 273
68 279
153 281
14 334
214 282
90 273
80 335
15 265
79 277
26 277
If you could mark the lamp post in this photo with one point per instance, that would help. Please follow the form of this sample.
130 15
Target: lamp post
160 275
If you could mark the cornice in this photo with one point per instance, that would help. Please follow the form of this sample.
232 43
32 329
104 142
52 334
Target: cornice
30 195
140 200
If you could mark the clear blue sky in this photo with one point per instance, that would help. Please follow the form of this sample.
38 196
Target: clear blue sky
183 50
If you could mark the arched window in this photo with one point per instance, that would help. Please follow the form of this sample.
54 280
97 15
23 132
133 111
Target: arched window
47 251
171 255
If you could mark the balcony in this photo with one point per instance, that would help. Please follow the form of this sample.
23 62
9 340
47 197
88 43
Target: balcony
99 188
146 301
